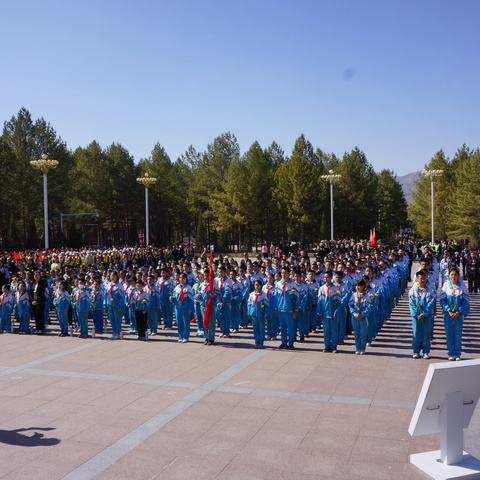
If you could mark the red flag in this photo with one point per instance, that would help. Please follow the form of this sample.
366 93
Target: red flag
209 307
374 238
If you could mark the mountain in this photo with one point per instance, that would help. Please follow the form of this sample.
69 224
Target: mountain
406 181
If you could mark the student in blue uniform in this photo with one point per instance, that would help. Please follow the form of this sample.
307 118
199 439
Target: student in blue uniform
343 293
287 305
183 300
210 328
359 305
237 298
114 305
245 282
153 304
97 302
257 305
165 287
82 305
61 302
224 303
328 299
24 308
140 302
197 300
272 319
421 300
6 309
455 305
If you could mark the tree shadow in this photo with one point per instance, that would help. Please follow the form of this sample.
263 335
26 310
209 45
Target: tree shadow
14 437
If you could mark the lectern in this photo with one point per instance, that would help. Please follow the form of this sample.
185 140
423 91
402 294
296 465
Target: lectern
446 404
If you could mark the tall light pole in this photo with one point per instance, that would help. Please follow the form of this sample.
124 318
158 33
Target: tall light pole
146 181
432 174
331 178
45 165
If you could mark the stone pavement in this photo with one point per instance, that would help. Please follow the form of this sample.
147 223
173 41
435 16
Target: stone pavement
81 409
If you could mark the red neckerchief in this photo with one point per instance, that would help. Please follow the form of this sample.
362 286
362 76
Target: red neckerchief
268 290
162 282
328 290
78 296
151 291
180 296
256 298
110 292
95 295
131 293
222 282
136 297
283 288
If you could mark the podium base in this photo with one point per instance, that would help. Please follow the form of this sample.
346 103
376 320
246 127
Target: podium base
430 463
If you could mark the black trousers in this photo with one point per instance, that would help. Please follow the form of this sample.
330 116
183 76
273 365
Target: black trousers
38 314
141 318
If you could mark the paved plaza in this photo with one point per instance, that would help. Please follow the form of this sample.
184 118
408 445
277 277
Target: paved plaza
81 409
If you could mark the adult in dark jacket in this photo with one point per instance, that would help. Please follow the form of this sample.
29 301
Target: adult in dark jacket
38 300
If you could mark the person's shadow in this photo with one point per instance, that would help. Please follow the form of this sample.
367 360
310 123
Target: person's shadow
14 437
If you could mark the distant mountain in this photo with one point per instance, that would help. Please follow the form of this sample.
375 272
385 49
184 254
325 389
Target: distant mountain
406 181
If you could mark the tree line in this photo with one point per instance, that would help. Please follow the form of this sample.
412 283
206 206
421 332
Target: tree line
220 196
456 197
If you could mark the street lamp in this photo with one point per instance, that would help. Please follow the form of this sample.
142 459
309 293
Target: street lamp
45 165
146 181
331 178
432 174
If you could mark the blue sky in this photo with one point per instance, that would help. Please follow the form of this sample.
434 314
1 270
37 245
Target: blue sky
398 79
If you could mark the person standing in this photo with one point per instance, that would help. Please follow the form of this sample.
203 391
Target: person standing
472 273
455 305
38 300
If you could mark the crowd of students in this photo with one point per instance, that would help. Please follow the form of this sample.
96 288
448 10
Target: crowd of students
353 288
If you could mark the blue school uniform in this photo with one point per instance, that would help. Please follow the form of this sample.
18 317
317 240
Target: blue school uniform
257 305
360 304
61 302
343 293
224 314
210 329
421 303
82 307
311 310
286 303
328 300
153 307
197 296
301 317
165 287
97 310
183 300
24 310
245 282
272 318
114 301
454 298
237 297
6 309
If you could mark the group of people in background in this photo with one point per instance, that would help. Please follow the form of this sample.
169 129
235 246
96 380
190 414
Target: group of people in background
345 288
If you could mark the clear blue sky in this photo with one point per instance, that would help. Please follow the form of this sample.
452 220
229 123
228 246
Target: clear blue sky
398 79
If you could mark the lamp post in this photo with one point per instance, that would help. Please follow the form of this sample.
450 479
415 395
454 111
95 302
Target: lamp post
146 181
432 174
331 178
45 165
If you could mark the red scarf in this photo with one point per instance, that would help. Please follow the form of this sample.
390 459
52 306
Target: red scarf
256 298
180 296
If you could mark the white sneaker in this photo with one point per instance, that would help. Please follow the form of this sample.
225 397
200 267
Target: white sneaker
451 358
362 352
357 352
457 359
415 355
426 356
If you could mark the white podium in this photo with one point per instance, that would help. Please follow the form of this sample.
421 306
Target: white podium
446 404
